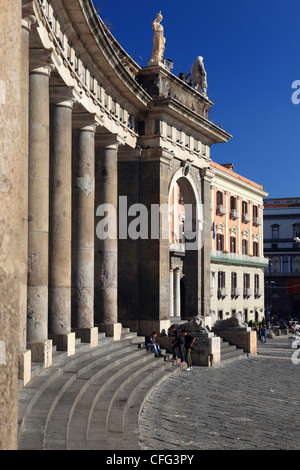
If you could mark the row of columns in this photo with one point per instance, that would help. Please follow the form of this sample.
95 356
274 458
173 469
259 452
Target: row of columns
67 171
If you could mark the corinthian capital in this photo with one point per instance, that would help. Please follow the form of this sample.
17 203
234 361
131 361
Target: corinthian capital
28 15
40 61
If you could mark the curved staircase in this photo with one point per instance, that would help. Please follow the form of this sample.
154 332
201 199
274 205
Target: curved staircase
91 400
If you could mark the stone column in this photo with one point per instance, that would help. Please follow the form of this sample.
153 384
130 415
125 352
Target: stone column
206 178
38 207
171 292
61 99
11 261
83 227
177 309
24 353
106 249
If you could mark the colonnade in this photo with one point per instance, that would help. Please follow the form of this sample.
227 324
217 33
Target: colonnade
70 276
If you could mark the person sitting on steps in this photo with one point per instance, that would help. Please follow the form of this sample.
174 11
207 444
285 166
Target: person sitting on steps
152 344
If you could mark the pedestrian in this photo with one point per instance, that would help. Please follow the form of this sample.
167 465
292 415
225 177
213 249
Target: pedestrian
152 344
177 344
263 334
188 344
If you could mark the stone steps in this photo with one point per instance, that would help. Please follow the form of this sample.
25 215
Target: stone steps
230 351
88 400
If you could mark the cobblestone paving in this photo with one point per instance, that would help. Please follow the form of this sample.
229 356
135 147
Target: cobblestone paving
246 404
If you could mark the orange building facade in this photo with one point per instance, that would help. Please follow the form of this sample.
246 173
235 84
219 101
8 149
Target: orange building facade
237 260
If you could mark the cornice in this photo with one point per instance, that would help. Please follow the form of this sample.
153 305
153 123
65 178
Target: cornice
168 105
101 51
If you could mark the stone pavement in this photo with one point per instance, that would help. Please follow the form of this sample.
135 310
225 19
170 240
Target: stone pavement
246 404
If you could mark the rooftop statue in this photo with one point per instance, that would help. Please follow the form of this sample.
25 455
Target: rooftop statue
198 76
158 41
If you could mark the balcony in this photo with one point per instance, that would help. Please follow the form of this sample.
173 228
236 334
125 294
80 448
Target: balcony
222 292
177 247
247 292
258 292
234 214
238 259
246 218
221 210
235 292
256 221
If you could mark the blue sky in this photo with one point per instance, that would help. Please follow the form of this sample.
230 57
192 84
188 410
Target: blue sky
251 52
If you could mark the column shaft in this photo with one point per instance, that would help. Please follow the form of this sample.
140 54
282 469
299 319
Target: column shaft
24 354
38 215
177 310
83 231
60 224
106 250
171 284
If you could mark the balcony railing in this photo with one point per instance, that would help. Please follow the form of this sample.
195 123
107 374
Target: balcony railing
258 292
246 218
238 258
256 221
222 292
247 292
221 210
235 292
234 214
178 247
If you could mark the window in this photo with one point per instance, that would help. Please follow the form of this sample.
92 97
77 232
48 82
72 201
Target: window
221 279
220 241
275 264
219 198
275 232
233 280
246 285
296 264
232 202
296 231
245 207
232 245
255 211
256 282
244 247
255 249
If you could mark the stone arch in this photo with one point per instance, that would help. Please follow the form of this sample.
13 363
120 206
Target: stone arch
187 254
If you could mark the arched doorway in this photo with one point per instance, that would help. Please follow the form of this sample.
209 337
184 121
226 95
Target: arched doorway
185 233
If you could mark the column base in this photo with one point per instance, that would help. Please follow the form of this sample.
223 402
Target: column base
41 352
112 330
25 366
64 343
87 335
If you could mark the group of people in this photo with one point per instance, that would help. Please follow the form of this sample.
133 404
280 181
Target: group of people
182 343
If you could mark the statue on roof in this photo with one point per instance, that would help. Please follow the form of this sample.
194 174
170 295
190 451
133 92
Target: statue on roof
199 76
158 41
